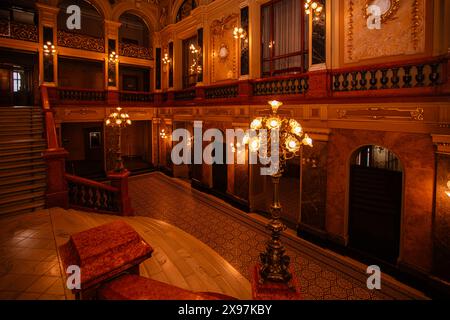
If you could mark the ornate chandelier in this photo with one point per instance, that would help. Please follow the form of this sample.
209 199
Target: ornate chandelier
118 120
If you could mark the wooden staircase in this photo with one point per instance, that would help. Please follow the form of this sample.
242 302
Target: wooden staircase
22 168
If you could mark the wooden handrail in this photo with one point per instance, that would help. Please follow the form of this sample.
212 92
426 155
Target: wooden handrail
404 63
136 92
91 183
79 89
285 77
50 127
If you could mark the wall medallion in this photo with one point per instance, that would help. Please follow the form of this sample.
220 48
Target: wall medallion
388 8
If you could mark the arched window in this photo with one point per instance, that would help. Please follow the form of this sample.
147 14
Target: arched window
284 33
91 19
185 9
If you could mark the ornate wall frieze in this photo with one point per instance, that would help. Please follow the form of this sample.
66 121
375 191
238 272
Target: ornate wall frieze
377 113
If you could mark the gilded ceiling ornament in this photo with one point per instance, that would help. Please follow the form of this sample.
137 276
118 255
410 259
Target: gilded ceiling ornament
388 8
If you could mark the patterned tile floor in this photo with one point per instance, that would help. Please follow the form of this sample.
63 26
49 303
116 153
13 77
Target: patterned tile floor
167 199
29 267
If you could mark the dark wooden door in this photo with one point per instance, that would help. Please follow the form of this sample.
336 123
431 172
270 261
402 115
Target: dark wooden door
220 172
375 212
6 96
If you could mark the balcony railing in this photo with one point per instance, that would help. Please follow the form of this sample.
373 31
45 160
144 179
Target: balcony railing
81 95
409 75
135 51
18 31
135 97
222 92
80 41
396 80
281 85
184 95
87 194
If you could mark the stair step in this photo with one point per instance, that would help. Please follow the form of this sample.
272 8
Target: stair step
28 148
22 165
22 141
9 119
14 181
22 172
35 205
20 159
21 152
21 132
34 186
22 197
20 127
22 136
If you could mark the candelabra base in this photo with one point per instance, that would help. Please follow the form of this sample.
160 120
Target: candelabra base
271 290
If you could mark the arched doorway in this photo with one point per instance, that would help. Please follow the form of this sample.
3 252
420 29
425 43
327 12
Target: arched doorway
375 203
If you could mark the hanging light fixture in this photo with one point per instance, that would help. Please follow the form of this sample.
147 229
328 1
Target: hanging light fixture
166 59
163 134
239 33
313 7
113 57
49 49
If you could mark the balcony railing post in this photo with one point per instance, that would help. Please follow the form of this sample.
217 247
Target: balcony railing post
199 93
170 96
56 194
245 89
112 97
119 180
319 84
158 99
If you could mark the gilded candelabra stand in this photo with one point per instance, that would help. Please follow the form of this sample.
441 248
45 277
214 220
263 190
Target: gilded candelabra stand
289 140
118 120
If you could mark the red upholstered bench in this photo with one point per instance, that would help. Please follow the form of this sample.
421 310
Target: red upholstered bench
132 287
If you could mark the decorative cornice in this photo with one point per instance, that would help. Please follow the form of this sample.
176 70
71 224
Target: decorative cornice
442 143
377 113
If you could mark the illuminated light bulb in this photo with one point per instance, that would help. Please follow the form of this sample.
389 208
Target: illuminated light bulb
254 144
256 124
245 139
275 105
314 5
123 116
273 123
118 122
292 144
115 114
129 122
307 141
296 128
108 122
